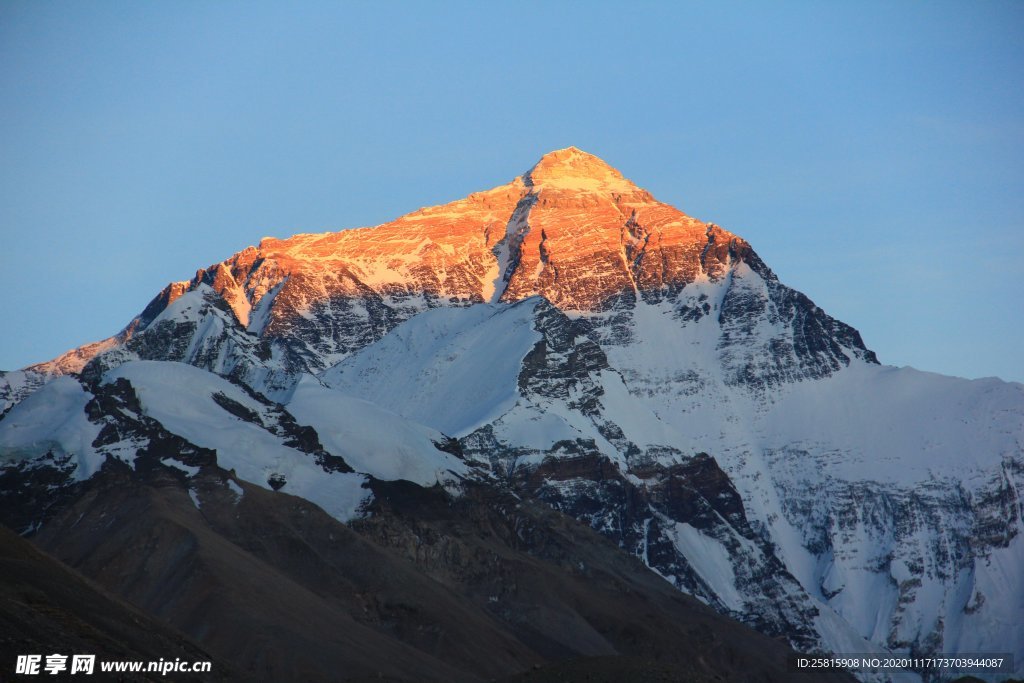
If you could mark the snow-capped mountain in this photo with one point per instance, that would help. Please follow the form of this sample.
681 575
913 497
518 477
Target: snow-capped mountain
571 339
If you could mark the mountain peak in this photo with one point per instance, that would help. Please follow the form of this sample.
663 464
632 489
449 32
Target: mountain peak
573 169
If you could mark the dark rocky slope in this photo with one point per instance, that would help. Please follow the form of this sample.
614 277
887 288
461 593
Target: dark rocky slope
46 608
429 587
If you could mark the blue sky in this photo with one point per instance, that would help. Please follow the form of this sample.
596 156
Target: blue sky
872 153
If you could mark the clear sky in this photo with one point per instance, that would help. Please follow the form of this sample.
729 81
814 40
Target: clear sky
872 153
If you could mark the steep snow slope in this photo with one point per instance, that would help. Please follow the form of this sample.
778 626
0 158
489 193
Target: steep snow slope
373 440
73 430
453 369
18 384
891 494
52 425
213 413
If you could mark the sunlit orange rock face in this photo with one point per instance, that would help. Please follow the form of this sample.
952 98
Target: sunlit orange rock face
571 229
592 235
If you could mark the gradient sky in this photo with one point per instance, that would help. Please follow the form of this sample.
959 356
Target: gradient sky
872 153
